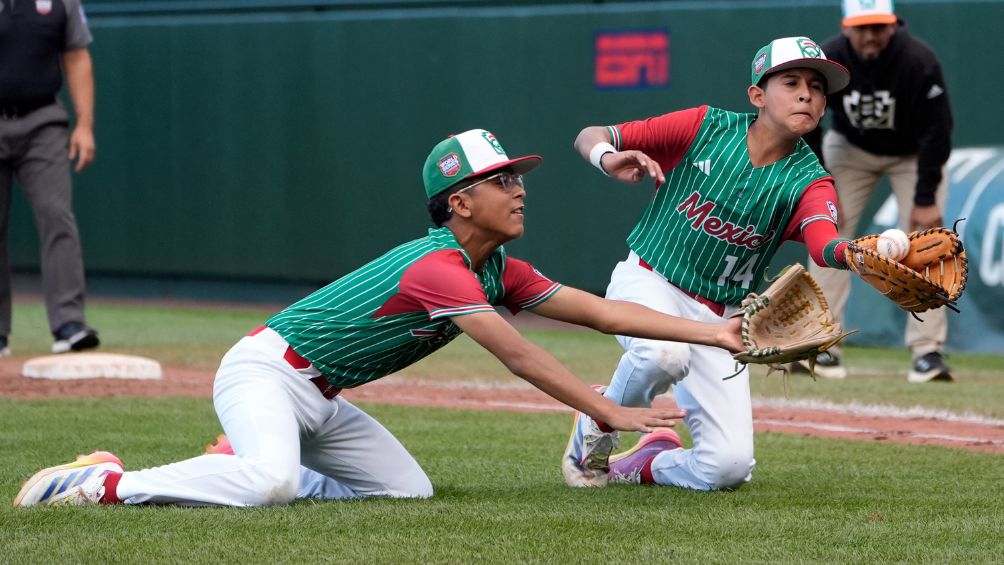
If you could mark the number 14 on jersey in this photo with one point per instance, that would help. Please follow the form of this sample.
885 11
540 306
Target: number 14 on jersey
743 275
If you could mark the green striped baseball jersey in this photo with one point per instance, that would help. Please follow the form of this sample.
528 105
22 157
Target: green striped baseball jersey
715 224
398 308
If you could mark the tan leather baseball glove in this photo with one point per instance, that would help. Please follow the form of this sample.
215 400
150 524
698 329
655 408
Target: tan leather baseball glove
789 321
931 275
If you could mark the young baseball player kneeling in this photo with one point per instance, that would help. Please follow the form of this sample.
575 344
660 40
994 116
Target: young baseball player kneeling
277 390
732 187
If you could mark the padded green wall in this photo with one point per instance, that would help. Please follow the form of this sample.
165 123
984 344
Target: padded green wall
288 146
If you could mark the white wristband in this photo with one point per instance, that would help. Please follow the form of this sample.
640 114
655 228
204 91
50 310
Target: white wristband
597 153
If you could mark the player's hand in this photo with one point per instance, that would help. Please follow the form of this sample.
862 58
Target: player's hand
729 336
632 167
924 217
642 419
82 147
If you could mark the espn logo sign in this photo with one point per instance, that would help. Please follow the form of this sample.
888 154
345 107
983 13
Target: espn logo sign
632 59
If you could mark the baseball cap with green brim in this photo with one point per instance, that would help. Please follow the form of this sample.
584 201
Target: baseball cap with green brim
464 155
798 53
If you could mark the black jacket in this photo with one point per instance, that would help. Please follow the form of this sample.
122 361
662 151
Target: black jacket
896 104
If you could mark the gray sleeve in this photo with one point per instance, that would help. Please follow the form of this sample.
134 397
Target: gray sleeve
77 34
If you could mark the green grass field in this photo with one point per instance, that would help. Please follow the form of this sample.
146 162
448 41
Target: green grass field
499 497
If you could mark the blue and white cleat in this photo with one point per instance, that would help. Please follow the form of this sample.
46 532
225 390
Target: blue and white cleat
629 467
73 484
586 461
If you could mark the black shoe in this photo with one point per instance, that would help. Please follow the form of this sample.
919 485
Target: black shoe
74 336
930 367
4 346
828 366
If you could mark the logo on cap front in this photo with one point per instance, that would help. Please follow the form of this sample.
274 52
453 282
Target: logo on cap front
809 49
450 165
759 63
490 138
43 7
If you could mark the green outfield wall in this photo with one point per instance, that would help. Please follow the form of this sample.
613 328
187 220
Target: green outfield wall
285 145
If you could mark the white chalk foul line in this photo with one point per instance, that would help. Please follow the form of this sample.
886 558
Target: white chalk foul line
979 440
815 426
877 410
851 408
854 430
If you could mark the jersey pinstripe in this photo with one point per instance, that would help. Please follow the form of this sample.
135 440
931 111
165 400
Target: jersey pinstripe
715 224
376 320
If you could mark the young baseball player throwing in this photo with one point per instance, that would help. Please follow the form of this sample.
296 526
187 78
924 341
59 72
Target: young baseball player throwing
277 390
731 188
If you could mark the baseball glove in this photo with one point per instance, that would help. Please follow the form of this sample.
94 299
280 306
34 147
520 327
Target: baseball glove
790 321
931 275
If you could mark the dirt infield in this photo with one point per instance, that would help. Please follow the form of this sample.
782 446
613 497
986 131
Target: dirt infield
827 421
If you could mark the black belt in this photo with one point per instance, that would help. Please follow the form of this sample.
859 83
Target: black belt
23 108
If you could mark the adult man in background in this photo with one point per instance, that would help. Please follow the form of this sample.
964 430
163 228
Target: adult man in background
893 120
39 39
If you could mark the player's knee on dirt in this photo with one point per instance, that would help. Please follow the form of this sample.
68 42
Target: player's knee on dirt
730 468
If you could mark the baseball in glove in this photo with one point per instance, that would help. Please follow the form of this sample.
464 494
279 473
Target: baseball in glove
790 321
932 274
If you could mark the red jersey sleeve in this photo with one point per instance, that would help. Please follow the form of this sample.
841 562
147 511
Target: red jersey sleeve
815 223
441 284
664 138
525 286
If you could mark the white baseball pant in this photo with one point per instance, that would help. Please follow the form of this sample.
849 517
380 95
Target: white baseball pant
289 442
719 413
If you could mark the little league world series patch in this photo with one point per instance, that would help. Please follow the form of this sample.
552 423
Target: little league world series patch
450 165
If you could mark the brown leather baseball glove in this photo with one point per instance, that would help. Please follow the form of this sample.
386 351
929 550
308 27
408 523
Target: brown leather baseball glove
789 321
931 275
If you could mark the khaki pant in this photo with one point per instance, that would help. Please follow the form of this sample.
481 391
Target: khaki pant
857 173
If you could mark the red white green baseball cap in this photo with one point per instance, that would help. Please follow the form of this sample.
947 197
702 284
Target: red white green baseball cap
798 53
867 12
474 152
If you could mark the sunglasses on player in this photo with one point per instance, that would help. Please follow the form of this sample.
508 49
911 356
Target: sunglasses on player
507 182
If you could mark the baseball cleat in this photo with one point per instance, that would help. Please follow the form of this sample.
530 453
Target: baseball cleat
586 459
74 336
627 467
930 367
220 447
73 484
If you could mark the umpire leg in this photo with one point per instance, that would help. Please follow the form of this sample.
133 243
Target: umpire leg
5 293
44 176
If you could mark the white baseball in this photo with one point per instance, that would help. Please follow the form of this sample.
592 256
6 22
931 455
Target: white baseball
894 244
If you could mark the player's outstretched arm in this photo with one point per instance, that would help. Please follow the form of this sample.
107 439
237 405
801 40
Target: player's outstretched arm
627 318
542 370
593 143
